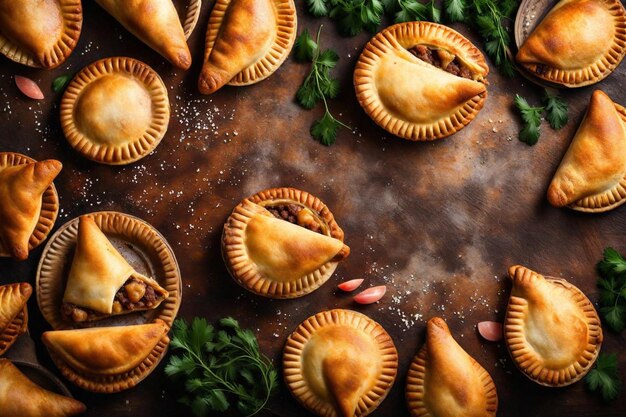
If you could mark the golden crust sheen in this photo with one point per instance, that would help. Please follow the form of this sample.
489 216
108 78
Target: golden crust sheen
39 33
578 43
445 381
340 363
411 98
592 174
551 328
13 313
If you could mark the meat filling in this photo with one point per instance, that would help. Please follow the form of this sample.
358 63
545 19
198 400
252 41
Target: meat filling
134 294
296 214
455 67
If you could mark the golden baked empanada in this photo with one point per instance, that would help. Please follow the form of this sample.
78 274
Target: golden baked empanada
592 174
20 397
340 363
445 381
102 283
13 313
154 22
551 328
39 33
421 80
578 43
282 243
21 191
246 41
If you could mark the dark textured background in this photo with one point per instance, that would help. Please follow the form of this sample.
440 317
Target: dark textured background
438 223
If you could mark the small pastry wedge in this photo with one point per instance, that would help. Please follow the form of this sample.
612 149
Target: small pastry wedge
551 329
115 111
421 81
578 43
246 41
340 363
154 22
445 381
102 283
20 397
592 174
22 187
282 243
13 313
39 33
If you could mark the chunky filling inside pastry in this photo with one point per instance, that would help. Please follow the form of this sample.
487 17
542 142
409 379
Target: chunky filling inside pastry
442 59
133 295
297 214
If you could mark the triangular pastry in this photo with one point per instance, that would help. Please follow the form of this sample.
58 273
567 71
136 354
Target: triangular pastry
23 186
39 33
13 313
421 80
102 283
340 363
246 41
282 243
592 174
105 351
20 397
551 328
445 381
579 42
154 22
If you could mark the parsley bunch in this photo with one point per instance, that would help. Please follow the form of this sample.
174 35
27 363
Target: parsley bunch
409 10
220 368
603 377
318 85
353 15
612 284
554 108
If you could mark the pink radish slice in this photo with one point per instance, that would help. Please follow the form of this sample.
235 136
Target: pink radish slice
351 285
490 330
370 295
28 87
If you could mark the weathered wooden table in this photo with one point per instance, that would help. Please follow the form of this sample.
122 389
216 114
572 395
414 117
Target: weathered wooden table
438 223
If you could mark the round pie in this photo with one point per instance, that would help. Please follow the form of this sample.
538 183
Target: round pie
340 363
115 111
39 33
578 43
551 329
421 80
282 243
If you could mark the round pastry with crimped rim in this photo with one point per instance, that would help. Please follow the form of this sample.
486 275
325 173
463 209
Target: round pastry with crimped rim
115 111
340 363
282 243
551 329
420 80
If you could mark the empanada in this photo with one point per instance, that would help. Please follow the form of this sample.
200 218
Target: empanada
102 283
13 313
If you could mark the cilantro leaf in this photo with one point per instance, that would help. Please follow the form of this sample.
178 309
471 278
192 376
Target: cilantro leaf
532 120
612 285
325 129
603 377
556 110
318 7
60 82
305 47
455 10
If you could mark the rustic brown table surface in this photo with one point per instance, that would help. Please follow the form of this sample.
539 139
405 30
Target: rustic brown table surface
438 223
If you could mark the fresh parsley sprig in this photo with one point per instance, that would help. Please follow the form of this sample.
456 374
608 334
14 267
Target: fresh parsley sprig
220 367
353 15
318 85
409 10
554 108
612 284
603 377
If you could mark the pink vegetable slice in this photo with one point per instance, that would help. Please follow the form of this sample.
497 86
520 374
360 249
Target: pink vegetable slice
351 285
28 87
370 295
490 330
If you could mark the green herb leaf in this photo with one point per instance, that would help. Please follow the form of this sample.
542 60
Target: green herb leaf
455 10
325 129
305 47
556 110
612 285
318 7
603 377
220 369
60 82
532 120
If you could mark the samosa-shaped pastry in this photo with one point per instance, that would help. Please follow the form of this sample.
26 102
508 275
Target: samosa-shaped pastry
21 190
445 381
246 41
13 313
592 174
102 283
